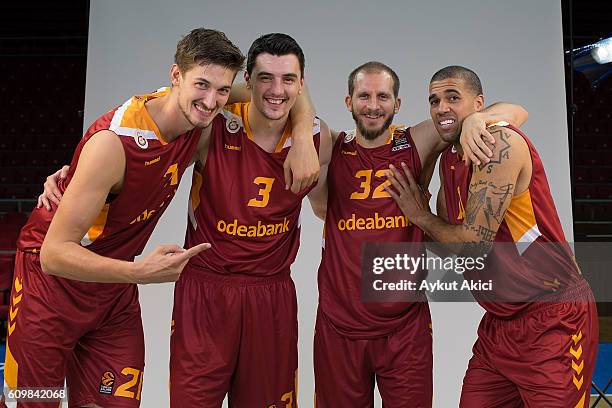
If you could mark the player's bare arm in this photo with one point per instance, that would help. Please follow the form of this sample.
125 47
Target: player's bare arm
302 162
476 124
202 150
239 93
318 195
94 179
491 189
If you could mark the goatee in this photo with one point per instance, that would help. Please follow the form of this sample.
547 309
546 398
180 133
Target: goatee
369 134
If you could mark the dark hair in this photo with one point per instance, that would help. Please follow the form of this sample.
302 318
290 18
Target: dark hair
373 67
206 46
456 71
275 44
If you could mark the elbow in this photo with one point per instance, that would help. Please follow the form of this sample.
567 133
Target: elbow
46 259
522 117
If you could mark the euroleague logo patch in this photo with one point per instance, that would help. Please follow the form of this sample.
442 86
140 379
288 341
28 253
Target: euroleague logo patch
107 382
400 143
141 141
232 125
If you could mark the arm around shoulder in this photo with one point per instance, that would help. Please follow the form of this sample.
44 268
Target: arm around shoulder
514 114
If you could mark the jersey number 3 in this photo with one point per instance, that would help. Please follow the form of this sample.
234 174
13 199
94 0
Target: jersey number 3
265 184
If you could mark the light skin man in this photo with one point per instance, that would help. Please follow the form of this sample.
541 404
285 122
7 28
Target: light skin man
109 210
245 311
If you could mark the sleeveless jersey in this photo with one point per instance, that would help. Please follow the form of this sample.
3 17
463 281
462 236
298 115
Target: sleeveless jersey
358 211
239 203
152 172
539 263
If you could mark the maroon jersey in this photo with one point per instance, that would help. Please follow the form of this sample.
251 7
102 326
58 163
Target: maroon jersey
359 210
152 173
540 263
239 203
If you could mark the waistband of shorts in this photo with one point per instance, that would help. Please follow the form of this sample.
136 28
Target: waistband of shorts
32 251
580 291
234 279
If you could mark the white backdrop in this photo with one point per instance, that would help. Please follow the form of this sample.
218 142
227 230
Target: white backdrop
515 47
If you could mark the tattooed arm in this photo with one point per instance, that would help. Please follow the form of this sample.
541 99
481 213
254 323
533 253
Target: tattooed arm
491 189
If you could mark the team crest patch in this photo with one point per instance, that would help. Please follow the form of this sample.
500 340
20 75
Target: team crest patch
107 382
349 135
141 141
232 125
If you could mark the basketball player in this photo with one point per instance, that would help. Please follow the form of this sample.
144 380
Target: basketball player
358 342
124 173
235 310
537 341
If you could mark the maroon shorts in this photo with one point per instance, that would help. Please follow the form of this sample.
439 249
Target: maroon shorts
89 334
236 336
400 363
544 357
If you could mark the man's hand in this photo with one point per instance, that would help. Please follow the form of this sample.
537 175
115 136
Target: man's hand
302 164
51 192
165 263
407 193
474 138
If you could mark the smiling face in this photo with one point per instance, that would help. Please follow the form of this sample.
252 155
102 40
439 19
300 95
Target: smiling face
202 91
276 82
450 102
372 104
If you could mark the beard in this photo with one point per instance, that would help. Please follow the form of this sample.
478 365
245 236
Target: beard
372 134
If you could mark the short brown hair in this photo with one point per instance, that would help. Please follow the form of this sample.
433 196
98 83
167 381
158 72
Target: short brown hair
373 67
206 46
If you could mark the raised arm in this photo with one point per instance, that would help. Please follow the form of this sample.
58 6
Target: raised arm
491 189
85 197
318 195
302 162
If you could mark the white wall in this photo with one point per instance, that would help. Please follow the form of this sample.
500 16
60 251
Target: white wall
515 47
